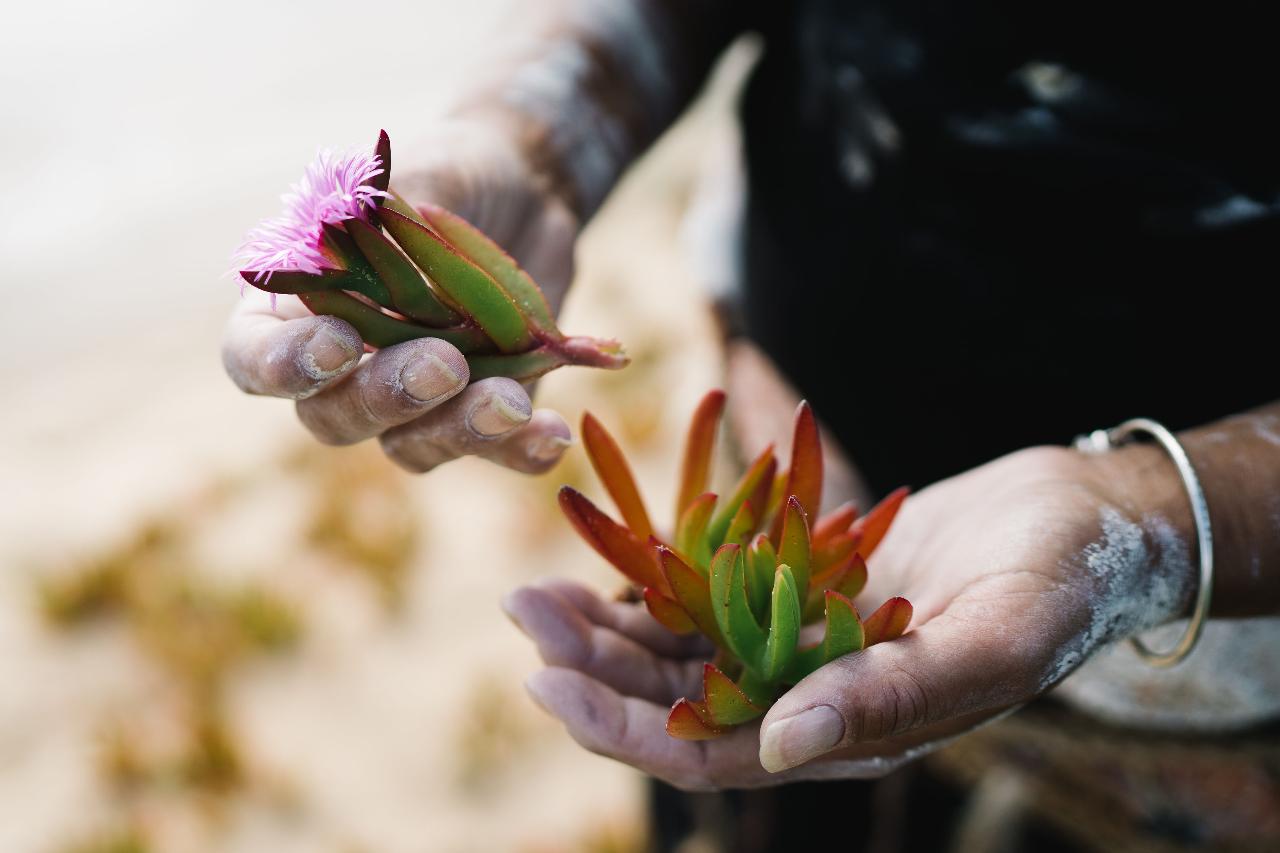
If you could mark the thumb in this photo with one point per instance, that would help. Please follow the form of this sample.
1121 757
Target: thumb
943 670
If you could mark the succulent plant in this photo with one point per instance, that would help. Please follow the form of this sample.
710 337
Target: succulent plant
748 570
349 247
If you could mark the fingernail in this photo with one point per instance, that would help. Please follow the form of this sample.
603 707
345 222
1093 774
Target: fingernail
327 353
426 378
547 448
495 416
795 740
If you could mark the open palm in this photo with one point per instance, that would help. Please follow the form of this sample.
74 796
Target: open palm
1017 571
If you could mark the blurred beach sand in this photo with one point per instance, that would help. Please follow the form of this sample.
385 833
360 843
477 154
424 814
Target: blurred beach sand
214 634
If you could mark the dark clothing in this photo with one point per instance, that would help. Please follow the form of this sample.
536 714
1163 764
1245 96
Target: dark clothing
1076 228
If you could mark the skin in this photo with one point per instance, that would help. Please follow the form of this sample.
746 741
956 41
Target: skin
999 561
526 155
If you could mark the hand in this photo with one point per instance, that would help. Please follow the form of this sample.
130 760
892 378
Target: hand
1018 570
414 396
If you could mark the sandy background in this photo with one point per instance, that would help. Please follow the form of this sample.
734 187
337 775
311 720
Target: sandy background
214 634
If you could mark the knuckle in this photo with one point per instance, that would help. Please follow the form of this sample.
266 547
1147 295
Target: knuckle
908 702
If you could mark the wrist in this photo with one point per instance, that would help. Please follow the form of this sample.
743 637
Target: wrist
1147 553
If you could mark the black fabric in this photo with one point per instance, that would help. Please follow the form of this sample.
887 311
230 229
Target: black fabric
1028 265
1079 226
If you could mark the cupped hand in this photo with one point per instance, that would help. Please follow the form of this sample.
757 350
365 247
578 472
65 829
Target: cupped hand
415 397
1018 570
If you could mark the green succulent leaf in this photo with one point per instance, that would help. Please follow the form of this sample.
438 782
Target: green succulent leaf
382 330
761 470
762 561
793 545
690 538
489 256
784 626
742 633
466 284
726 704
742 526
408 290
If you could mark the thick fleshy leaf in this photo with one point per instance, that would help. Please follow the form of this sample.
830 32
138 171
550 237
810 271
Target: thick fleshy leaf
762 562
835 522
612 469
409 291
490 257
793 546
842 634
742 526
685 723
382 330
738 624
628 554
834 551
383 151
466 284
804 477
696 467
888 622
784 626
844 628
725 703
399 205
761 469
668 612
583 352
847 579
295 281
693 592
690 530
872 527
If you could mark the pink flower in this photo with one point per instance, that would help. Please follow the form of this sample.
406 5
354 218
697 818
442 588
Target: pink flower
336 186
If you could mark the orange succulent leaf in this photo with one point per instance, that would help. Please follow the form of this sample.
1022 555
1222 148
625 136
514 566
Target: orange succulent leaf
874 525
696 468
693 591
834 552
684 722
612 468
888 622
627 552
793 545
804 477
668 612
724 702
835 522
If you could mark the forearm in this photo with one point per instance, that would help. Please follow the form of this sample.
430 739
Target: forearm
1238 463
588 84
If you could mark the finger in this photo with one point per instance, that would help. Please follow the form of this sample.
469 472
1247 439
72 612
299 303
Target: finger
533 448
630 620
264 353
946 669
392 387
566 638
492 418
633 731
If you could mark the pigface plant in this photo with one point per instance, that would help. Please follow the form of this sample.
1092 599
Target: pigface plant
748 570
348 246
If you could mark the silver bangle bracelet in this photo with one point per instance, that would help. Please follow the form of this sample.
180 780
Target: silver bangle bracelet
1100 441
